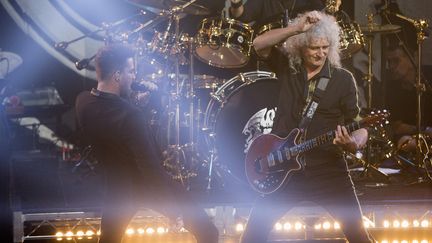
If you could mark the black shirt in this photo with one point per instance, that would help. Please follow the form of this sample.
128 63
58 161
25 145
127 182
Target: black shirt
120 136
337 107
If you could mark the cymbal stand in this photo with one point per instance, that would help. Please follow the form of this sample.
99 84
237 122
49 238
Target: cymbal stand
369 75
368 165
178 148
420 25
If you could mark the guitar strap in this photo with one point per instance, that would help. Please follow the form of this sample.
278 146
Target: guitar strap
312 101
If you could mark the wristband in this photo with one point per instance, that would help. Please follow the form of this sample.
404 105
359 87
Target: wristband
237 4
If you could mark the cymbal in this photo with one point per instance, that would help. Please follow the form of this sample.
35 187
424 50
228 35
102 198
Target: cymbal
380 29
194 9
8 62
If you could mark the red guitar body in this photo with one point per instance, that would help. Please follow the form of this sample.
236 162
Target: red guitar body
265 173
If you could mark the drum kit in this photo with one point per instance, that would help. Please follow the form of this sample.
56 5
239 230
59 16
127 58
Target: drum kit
205 123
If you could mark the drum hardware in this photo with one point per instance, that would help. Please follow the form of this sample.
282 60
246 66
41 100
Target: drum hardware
108 38
237 112
188 7
420 25
351 39
378 148
369 31
224 43
270 26
182 157
331 6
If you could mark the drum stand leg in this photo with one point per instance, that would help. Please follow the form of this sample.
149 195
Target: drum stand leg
210 170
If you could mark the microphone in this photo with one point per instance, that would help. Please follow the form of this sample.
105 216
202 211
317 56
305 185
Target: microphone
61 45
144 86
83 63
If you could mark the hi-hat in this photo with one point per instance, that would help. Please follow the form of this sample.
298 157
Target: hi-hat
194 9
380 29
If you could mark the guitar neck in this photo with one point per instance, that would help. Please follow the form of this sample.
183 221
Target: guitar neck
322 139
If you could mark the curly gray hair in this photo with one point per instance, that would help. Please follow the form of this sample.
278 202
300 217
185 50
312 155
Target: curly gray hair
327 28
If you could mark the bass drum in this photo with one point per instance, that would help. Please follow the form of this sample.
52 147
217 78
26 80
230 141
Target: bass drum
240 110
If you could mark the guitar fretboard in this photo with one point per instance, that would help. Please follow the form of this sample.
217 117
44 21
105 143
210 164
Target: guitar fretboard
322 139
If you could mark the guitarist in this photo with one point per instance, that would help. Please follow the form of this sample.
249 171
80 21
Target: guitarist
302 54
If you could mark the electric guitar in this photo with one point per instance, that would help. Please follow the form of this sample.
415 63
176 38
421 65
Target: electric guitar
271 160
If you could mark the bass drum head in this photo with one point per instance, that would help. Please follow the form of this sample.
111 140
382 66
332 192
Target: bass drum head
245 108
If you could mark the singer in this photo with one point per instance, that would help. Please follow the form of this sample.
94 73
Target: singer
125 145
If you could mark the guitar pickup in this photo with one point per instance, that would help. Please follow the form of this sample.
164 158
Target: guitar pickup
271 160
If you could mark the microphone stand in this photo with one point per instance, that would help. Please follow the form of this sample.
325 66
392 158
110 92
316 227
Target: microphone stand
105 26
83 63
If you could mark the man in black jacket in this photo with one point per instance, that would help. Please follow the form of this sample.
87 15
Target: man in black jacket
304 56
132 161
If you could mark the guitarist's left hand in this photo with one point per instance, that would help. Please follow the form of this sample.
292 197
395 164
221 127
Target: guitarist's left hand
352 142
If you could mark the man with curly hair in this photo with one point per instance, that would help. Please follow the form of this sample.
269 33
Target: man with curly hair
302 54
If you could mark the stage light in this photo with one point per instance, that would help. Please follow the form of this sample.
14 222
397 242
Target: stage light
395 241
415 241
384 241
405 224
59 236
336 225
140 231
150 230
318 227
287 226
89 234
298 226
326 225
80 234
278 226
396 224
69 235
386 224
404 241
424 241
416 223
424 223
239 227
160 230
130 231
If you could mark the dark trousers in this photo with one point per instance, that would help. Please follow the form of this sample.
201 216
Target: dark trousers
342 205
157 192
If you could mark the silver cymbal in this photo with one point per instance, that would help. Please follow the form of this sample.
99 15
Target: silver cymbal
194 9
8 62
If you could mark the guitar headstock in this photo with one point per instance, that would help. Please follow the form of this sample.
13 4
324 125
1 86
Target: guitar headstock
376 118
